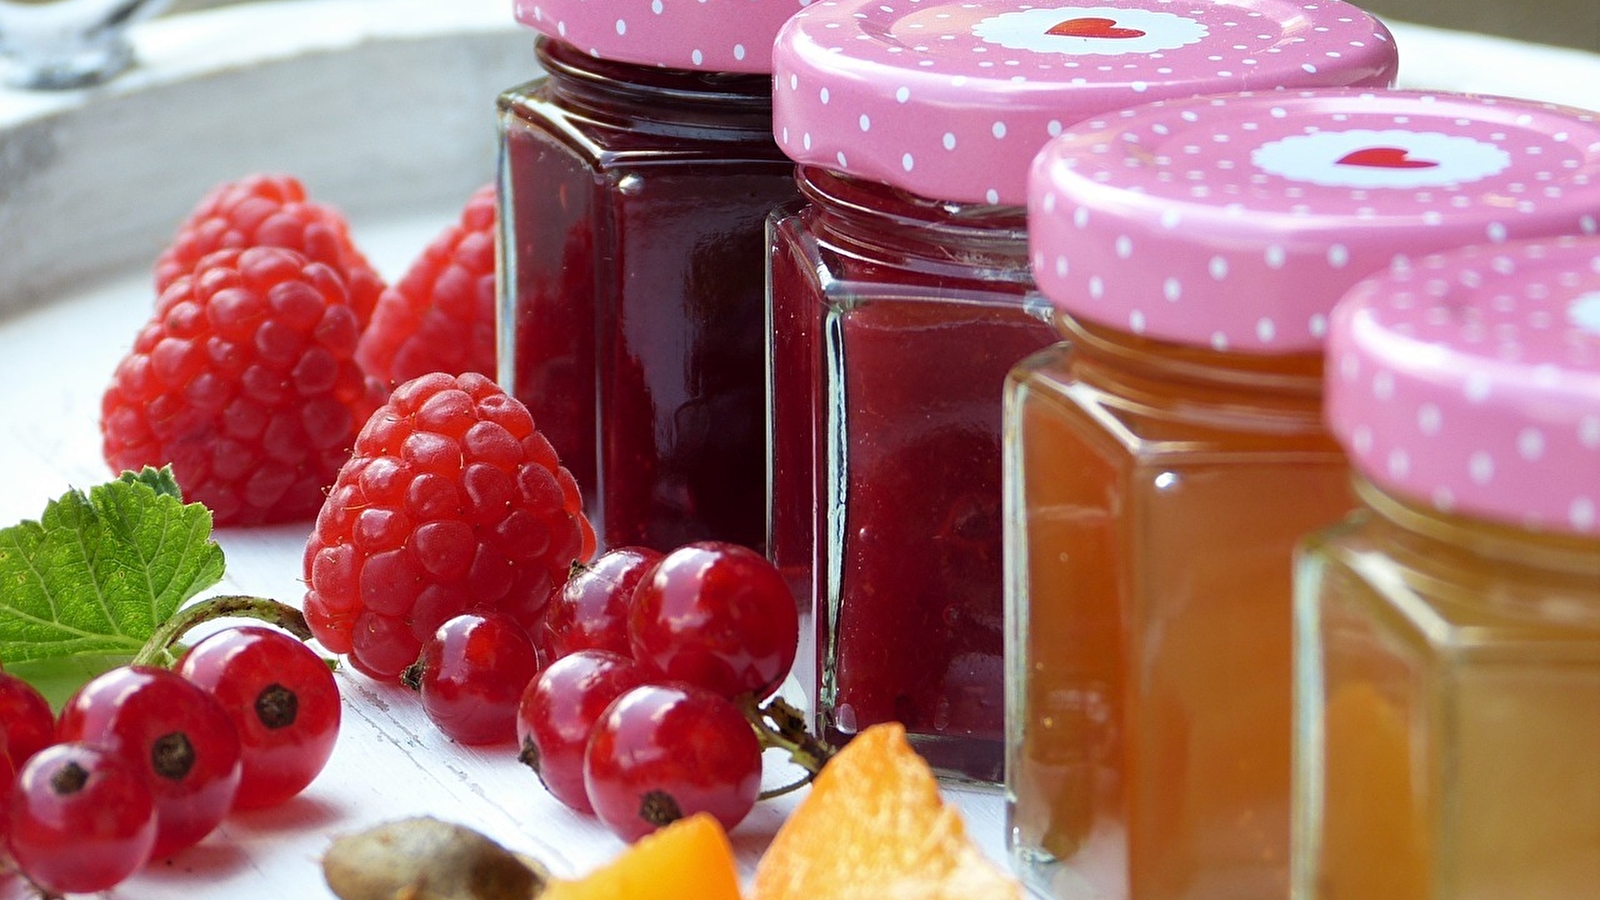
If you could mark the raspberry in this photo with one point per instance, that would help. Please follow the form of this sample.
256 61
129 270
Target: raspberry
440 316
452 501
245 382
270 211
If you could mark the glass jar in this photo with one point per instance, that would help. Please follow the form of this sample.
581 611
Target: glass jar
900 296
1162 462
636 175
1448 633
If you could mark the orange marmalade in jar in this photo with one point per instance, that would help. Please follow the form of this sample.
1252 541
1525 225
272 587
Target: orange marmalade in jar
1162 462
1448 633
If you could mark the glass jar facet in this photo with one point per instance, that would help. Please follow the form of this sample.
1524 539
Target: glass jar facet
1154 494
633 202
1448 634
894 321
1447 741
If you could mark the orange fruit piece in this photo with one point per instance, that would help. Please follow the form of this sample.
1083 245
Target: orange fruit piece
689 859
874 826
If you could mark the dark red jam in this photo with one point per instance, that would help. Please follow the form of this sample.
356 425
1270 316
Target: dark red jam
895 321
633 302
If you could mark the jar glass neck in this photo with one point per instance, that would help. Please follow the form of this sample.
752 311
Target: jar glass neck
1288 379
636 96
1440 536
884 222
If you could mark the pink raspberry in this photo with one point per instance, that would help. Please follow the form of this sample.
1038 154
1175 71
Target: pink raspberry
271 211
440 316
452 501
245 382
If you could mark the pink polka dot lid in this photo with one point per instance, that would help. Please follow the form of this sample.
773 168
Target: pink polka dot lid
697 35
1471 380
950 99
1236 222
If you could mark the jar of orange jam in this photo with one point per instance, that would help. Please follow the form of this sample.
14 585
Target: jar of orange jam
901 294
1163 461
1448 633
636 173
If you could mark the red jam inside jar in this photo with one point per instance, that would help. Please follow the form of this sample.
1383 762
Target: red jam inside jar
632 310
896 320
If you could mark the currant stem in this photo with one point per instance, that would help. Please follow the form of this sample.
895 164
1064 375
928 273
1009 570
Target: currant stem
158 649
779 725
795 785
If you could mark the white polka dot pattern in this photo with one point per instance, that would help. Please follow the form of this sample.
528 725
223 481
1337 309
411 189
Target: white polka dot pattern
698 35
951 99
1236 222
1471 380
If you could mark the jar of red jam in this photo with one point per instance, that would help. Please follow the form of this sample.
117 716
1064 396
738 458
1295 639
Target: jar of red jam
636 175
1447 742
1162 463
900 296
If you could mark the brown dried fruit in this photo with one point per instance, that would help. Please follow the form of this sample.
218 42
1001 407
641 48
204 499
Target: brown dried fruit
424 858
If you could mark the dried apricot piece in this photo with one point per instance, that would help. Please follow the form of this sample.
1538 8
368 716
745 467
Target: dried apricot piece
875 826
689 859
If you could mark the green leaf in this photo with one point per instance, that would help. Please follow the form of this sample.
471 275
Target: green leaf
57 679
159 480
99 572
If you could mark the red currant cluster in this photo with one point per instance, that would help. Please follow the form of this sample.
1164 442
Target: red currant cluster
648 710
642 717
145 761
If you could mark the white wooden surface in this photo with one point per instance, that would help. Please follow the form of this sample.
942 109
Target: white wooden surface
384 107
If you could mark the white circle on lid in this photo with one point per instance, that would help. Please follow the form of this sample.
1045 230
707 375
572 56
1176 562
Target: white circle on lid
1530 444
1589 432
1429 419
1361 440
1389 158
1481 467
1582 514
1584 312
1383 385
1399 463
1090 31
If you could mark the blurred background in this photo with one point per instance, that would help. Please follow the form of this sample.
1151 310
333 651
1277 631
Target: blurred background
1567 23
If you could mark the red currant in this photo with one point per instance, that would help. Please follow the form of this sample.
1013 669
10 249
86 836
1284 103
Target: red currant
25 718
283 701
662 752
717 615
173 732
472 673
591 609
8 774
82 819
557 714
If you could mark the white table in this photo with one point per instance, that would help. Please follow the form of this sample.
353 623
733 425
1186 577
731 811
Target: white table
384 107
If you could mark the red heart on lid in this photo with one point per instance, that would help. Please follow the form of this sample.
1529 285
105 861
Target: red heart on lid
1385 158
1093 27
